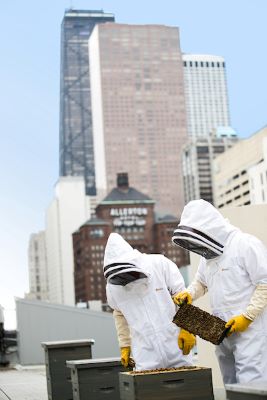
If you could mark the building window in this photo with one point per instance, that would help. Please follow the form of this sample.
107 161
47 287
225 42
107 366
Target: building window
97 233
185 63
263 195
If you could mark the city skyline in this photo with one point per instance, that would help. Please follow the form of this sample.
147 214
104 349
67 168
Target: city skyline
30 97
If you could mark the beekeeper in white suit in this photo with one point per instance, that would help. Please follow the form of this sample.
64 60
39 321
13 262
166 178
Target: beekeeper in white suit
139 289
233 268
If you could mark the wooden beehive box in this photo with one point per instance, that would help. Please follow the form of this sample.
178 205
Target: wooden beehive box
58 376
186 383
96 379
201 323
247 391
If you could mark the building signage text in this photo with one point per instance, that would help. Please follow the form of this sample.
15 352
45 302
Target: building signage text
128 217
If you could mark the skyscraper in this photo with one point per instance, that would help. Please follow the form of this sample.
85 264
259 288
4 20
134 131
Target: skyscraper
138 108
198 159
205 93
76 147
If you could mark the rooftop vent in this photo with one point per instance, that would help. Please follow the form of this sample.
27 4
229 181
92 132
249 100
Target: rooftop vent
122 180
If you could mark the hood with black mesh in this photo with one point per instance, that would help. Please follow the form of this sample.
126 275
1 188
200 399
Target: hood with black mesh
202 229
120 257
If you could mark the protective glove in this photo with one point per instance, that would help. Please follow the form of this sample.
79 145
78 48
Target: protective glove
186 341
125 355
237 324
182 297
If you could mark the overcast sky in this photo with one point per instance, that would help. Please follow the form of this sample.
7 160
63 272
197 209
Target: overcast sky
29 100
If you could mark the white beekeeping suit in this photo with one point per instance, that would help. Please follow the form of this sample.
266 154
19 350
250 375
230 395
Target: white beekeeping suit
139 290
233 268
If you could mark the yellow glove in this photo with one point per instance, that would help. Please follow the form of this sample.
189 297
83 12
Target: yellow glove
237 324
182 297
125 355
186 341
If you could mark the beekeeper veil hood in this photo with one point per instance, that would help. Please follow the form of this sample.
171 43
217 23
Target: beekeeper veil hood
121 261
202 229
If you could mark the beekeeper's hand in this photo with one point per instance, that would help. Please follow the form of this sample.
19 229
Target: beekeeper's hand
186 341
125 355
182 297
238 323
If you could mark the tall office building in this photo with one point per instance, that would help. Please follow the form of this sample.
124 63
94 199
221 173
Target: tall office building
198 159
37 262
206 93
138 108
76 147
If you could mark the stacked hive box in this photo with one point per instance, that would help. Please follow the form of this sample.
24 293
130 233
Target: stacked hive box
58 375
96 379
248 391
188 383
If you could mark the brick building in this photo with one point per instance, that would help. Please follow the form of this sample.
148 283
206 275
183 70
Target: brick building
130 213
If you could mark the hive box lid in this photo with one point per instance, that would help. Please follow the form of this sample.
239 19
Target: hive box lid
68 343
95 362
257 387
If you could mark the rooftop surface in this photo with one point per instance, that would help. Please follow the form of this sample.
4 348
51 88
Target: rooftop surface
29 383
22 383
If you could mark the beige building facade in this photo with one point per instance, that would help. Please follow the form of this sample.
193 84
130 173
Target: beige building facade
138 109
231 177
258 179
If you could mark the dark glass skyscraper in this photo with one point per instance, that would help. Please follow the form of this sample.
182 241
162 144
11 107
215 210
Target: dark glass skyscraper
76 140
